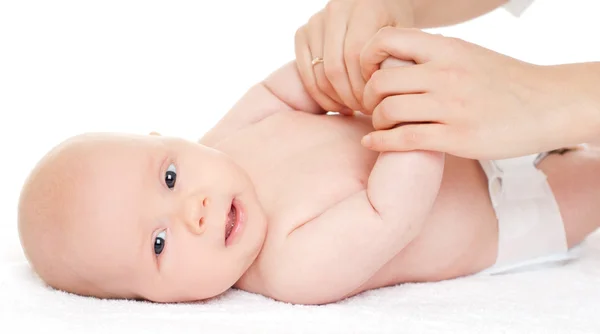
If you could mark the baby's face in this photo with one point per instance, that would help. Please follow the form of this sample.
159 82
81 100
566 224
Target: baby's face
166 219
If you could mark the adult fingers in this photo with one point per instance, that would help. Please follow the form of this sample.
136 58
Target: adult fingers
413 79
362 26
401 43
427 136
336 20
316 36
305 68
397 109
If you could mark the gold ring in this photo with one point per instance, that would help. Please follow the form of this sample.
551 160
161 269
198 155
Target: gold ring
317 60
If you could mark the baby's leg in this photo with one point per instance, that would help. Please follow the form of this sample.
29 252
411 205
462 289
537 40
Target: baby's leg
574 177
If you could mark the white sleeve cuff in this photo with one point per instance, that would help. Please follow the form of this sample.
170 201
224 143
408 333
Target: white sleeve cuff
517 7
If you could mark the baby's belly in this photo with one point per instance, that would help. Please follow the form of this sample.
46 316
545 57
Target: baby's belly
458 239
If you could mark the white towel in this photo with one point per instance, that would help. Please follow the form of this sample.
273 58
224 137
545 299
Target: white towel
560 299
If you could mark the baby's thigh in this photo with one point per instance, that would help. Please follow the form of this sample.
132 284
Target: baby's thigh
575 181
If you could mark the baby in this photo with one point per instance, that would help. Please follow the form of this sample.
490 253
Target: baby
279 199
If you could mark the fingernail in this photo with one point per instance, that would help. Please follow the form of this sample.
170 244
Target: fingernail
366 141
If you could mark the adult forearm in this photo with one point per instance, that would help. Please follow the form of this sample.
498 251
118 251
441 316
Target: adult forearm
437 13
577 87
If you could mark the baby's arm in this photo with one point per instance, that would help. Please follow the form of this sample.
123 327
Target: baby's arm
280 91
329 257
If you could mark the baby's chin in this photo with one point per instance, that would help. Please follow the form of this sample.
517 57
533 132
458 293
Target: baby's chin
188 296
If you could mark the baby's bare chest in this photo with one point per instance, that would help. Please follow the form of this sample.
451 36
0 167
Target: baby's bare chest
302 164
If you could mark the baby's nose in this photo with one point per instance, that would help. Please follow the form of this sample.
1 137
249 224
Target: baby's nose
194 213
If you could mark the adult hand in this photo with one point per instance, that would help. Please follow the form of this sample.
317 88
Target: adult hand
466 100
337 34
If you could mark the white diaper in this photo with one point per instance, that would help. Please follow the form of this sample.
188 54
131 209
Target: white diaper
531 230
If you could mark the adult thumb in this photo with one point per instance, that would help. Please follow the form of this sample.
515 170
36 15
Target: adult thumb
410 45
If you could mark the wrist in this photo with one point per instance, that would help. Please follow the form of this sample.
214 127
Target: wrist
588 75
404 10
440 13
573 91
410 8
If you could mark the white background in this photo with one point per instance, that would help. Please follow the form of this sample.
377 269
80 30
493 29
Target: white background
68 67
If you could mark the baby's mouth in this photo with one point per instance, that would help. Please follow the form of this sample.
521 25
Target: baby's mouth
231 220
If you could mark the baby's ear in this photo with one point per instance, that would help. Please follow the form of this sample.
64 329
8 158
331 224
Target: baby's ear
153 133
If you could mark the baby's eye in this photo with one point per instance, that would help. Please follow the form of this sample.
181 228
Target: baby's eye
159 242
171 176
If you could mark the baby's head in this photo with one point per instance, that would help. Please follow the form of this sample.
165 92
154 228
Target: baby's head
148 217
